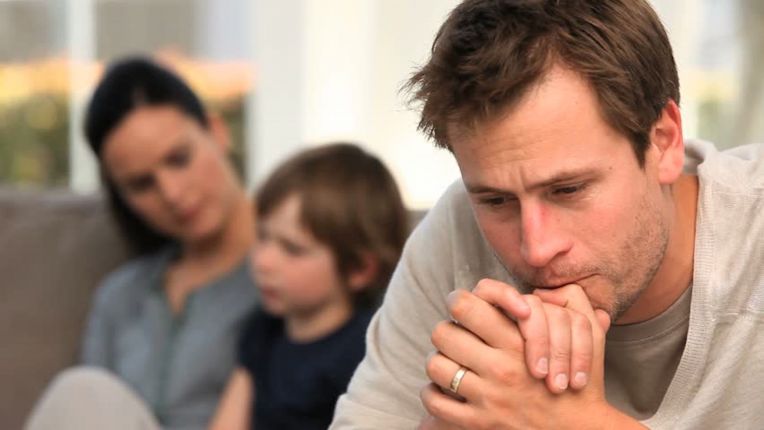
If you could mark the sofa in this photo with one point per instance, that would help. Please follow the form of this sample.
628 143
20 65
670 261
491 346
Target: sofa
55 246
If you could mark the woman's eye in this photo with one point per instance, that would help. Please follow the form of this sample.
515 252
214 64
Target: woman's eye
139 184
179 158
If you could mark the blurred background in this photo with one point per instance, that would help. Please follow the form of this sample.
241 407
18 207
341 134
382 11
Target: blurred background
291 73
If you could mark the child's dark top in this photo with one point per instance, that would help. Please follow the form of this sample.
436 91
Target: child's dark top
296 385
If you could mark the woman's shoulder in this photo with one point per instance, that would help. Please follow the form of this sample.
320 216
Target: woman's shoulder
133 278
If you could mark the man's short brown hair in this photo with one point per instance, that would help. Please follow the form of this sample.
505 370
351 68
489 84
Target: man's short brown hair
488 54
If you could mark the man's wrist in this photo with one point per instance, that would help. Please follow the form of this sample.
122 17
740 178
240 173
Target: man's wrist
611 418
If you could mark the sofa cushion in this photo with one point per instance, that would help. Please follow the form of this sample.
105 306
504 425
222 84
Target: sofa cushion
55 246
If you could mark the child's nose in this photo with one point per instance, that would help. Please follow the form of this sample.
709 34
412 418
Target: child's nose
264 257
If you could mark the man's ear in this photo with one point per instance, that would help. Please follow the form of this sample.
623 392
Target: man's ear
666 137
220 132
362 276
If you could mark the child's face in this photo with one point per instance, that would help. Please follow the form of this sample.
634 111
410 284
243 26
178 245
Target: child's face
295 273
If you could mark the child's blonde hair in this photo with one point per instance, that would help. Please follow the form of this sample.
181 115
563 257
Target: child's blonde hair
349 202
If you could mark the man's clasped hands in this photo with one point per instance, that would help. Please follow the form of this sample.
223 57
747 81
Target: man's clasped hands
512 360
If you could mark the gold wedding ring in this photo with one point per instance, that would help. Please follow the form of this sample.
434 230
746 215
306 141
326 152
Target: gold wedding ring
457 380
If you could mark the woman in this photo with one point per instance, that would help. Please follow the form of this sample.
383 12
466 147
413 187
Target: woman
165 323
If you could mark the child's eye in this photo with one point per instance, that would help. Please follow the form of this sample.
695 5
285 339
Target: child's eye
292 248
261 235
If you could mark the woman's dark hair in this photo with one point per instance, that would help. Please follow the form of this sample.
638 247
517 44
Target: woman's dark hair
127 85
350 202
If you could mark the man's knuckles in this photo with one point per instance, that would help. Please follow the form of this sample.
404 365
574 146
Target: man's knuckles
442 333
462 305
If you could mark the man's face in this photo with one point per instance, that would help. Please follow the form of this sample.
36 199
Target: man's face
561 198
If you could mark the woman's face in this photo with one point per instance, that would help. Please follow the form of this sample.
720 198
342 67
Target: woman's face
172 172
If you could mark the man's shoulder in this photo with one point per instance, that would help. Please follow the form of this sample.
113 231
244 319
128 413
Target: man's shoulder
729 244
450 238
449 220
452 215
737 169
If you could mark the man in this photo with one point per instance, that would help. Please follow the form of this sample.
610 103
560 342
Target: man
579 191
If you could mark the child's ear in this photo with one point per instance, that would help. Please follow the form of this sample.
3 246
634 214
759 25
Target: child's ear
363 275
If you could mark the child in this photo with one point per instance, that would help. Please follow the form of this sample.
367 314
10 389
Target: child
331 228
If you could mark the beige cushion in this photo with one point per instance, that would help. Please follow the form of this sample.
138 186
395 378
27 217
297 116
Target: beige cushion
54 249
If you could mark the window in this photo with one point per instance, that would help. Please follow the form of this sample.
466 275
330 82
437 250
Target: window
206 42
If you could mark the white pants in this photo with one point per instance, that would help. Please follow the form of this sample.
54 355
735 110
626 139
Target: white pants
86 398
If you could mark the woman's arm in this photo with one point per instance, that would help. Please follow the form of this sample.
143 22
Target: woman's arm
97 338
235 407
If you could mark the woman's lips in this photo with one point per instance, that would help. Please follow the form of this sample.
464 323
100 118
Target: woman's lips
188 215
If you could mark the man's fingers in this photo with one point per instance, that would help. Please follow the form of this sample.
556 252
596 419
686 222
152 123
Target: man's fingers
603 318
571 296
461 345
504 296
581 349
443 372
483 319
587 340
559 321
445 409
531 319
535 331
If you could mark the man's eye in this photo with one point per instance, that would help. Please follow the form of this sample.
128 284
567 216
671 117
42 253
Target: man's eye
568 190
493 202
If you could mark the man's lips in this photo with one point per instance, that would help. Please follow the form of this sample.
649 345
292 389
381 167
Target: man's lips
556 284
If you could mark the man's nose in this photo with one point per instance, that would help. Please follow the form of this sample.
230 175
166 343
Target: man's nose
542 236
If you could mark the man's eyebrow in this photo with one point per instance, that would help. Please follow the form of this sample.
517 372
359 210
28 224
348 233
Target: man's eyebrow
567 176
484 189
557 178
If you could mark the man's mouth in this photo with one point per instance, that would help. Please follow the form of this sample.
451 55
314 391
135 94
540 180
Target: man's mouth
558 284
